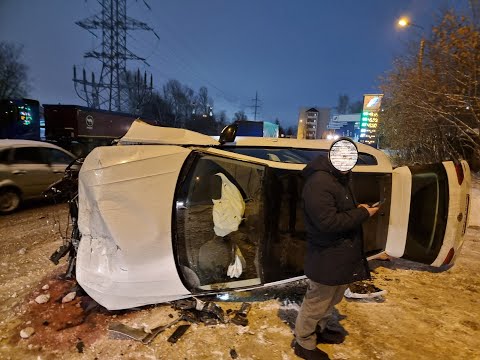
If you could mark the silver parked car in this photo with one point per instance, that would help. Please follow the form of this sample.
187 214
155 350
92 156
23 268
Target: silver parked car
27 168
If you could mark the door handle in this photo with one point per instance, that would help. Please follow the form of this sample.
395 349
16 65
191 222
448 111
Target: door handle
58 171
19 172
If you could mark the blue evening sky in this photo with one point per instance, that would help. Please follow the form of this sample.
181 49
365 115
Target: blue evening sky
294 53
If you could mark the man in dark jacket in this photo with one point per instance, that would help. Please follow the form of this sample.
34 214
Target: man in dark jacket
334 256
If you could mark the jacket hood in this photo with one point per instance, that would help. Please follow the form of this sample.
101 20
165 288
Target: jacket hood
321 163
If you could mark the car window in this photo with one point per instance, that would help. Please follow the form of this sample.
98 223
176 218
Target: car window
28 155
273 154
220 213
55 156
294 156
4 156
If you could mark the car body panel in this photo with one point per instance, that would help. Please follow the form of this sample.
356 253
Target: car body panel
399 211
125 258
457 221
449 224
142 133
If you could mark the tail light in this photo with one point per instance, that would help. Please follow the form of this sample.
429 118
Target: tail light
460 174
449 257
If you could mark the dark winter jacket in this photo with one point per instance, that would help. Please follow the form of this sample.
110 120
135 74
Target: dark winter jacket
333 224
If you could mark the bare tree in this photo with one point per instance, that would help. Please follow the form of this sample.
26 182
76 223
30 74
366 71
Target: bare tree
157 108
239 116
203 103
221 121
181 100
343 103
139 90
13 73
432 111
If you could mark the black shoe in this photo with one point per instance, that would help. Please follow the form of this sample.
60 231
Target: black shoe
329 336
315 354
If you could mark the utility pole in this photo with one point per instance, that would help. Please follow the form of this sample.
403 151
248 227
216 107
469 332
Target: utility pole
256 106
113 88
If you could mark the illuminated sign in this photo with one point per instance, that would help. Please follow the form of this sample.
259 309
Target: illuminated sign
369 119
25 113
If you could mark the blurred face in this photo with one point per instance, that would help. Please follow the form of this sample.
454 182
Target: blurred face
343 155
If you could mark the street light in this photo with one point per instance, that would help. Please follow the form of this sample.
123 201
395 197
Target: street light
404 22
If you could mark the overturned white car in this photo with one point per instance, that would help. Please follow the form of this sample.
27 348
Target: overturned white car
170 213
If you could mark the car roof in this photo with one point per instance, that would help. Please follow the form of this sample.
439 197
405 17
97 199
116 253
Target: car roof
4 143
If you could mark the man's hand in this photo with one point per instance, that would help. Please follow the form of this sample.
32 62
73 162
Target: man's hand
371 210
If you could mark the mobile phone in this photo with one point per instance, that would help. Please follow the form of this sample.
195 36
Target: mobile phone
378 203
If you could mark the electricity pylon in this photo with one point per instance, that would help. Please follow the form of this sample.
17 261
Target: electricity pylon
114 87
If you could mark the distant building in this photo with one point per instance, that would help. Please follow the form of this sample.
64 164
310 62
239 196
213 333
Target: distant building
345 125
312 122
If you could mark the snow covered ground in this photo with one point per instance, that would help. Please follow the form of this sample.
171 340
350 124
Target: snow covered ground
425 315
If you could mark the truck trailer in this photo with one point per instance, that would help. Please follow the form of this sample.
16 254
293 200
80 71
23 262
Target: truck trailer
80 129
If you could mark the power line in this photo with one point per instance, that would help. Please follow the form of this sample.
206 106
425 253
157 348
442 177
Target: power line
111 91
179 41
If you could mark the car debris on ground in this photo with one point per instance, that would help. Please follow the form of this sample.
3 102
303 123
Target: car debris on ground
191 310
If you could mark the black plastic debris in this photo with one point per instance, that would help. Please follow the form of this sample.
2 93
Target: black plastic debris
214 309
233 354
240 317
178 333
80 346
192 316
196 311
184 304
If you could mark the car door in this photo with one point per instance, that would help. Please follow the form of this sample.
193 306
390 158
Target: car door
58 160
213 250
429 212
30 171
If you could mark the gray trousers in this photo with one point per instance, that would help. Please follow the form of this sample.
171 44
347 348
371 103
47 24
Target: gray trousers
316 310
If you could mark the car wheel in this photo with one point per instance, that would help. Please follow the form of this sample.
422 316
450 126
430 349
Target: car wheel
9 200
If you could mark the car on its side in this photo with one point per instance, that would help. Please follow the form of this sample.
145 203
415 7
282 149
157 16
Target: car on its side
27 169
170 213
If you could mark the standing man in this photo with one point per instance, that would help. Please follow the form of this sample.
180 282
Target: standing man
334 256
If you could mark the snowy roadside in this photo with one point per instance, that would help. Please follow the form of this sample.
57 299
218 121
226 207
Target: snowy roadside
425 315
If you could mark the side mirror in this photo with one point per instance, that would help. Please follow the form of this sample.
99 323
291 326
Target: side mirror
228 134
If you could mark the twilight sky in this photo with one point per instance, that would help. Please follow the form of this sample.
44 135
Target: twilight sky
293 52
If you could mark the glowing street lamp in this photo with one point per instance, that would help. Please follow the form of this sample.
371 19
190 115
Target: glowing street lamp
404 22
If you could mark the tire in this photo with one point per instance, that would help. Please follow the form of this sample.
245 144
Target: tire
9 200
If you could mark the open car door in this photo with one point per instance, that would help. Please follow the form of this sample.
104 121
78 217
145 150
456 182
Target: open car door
429 212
